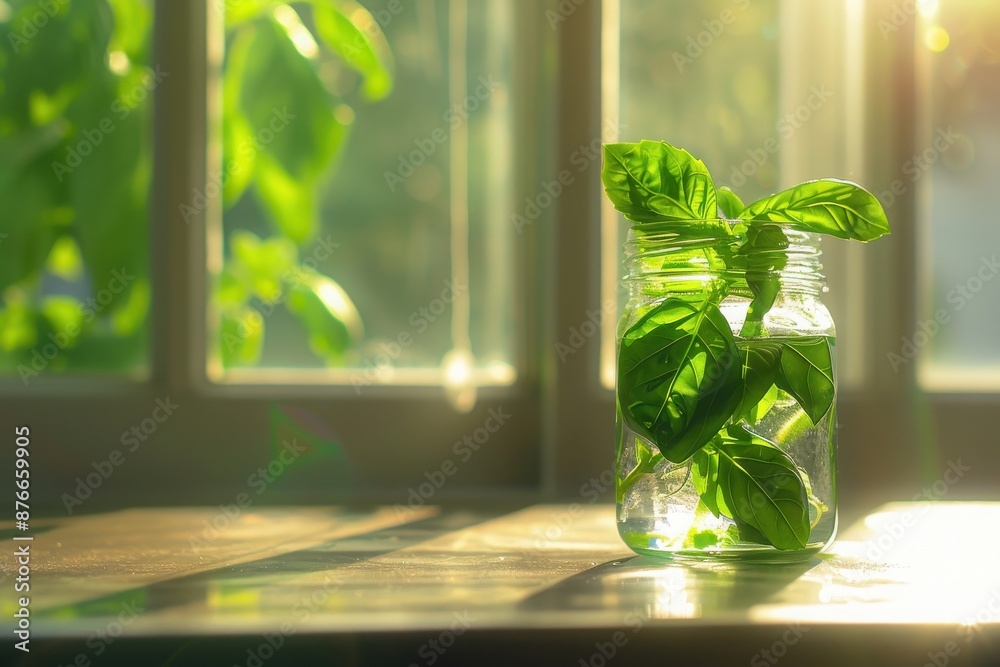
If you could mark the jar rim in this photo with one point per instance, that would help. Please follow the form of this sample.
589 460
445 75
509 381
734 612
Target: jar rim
658 241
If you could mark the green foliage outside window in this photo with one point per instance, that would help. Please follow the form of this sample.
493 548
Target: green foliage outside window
76 88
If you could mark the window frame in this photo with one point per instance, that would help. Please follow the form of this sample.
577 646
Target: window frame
561 439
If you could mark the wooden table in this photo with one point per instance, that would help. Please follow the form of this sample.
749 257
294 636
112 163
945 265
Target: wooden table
910 584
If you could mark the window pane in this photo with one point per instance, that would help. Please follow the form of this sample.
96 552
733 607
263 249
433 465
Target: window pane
76 86
959 160
704 76
367 170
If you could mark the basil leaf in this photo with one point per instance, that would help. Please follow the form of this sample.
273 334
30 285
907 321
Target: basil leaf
765 258
678 376
652 181
763 489
827 206
750 534
705 478
729 202
760 362
807 374
757 412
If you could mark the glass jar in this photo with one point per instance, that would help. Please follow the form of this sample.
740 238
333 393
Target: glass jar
701 473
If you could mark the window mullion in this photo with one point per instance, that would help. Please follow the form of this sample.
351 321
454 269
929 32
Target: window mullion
181 205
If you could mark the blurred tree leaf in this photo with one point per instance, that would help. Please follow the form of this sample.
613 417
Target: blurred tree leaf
292 205
260 266
65 317
109 195
130 316
17 326
239 148
359 42
242 337
291 113
330 317
132 22
29 219
242 11
64 260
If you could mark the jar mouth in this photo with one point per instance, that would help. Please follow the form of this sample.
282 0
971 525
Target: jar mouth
682 254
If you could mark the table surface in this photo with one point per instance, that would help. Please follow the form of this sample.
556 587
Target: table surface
911 580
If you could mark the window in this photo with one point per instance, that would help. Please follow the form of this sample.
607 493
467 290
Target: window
954 166
376 144
76 149
373 226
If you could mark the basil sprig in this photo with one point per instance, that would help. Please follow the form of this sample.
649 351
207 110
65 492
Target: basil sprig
685 383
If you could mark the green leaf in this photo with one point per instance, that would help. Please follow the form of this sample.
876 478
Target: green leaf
729 202
748 533
828 206
111 221
678 376
359 42
757 412
653 181
330 317
290 202
64 260
763 488
18 328
261 266
243 11
241 337
290 115
130 316
132 22
65 316
705 478
807 374
760 361
287 104
765 255
239 145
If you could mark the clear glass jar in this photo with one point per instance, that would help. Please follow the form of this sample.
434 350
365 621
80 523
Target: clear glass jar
666 507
